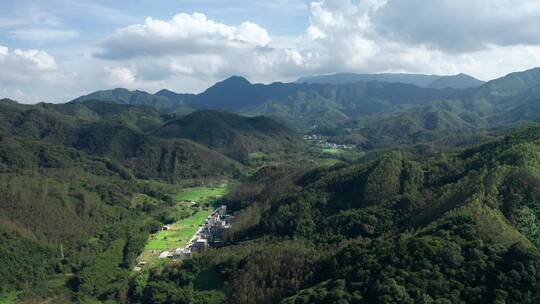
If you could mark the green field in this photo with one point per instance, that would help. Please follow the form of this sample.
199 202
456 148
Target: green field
201 194
9 298
181 231
179 234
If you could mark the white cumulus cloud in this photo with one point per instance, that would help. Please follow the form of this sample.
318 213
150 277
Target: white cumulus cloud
183 34
25 65
189 52
120 76
191 45
424 36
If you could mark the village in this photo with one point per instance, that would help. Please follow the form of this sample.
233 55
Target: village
208 235
323 143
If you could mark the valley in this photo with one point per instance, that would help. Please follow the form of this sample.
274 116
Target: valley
198 204
270 152
362 192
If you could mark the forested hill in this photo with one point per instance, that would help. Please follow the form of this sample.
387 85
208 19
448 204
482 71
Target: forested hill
120 133
82 185
310 107
459 227
151 143
231 134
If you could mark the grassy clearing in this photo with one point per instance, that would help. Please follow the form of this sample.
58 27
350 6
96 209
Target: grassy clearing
9 298
181 231
201 194
179 234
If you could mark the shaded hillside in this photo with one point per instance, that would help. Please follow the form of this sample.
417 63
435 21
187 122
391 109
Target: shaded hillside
231 134
118 132
171 160
53 196
458 227
308 107
230 94
142 118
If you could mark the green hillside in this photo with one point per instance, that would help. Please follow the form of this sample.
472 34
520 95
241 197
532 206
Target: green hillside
332 104
231 134
456 227
150 143
69 175
123 96
58 200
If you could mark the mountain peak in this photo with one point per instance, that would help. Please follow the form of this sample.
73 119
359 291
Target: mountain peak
235 80
164 92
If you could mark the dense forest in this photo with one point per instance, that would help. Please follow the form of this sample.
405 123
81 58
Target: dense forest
70 175
433 198
459 227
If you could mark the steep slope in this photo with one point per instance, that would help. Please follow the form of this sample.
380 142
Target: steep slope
119 132
231 134
502 89
53 200
492 184
230 94
457 227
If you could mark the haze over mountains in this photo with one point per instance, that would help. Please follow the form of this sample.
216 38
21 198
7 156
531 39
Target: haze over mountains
241 93
408 111
459 81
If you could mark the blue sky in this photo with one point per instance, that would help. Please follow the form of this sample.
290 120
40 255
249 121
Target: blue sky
91 20
56 50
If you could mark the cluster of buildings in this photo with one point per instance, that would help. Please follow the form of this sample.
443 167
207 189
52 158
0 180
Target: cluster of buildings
321 141
208 235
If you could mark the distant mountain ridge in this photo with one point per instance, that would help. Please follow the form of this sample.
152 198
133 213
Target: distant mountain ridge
150 143
236 93
230 134
399 112
137 97
459 81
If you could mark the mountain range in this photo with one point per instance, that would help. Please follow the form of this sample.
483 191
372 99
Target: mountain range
150 143
404 112
459 81
84 184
